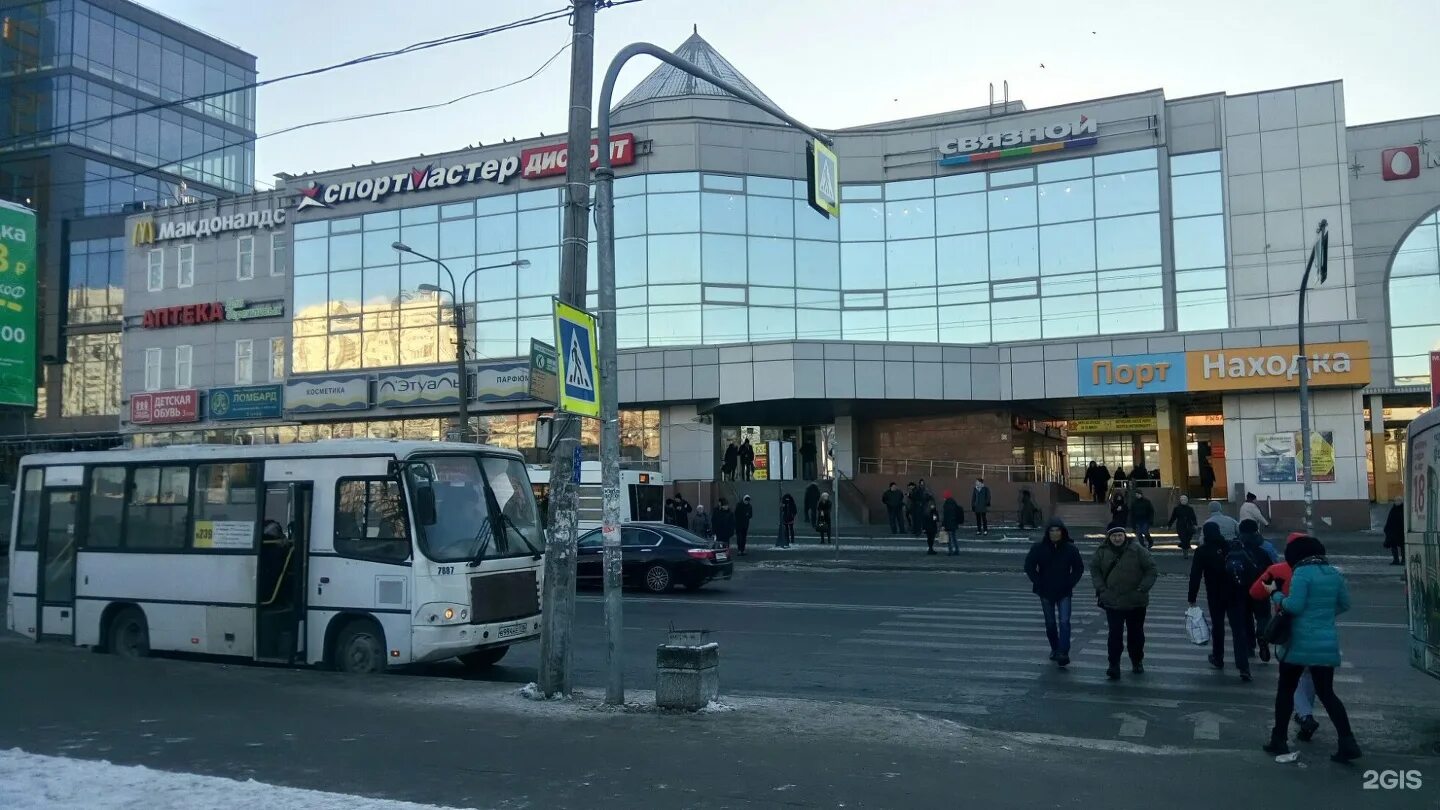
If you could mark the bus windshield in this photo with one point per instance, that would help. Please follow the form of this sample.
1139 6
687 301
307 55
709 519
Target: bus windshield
462 529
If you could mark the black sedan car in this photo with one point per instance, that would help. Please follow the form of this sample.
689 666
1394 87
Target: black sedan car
657 557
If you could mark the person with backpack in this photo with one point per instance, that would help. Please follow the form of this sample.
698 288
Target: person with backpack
1211 565
1182 517
1280 574
1055 568
951 516
1261 551
1123 572
1244 563
1318 595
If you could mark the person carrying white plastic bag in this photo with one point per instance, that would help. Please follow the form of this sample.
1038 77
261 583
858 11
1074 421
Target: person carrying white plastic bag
1197 626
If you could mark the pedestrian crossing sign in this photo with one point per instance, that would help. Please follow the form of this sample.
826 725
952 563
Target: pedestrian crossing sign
579 360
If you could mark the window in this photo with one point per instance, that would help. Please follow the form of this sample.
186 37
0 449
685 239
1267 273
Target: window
244 362
245 258
185 266
30 500
107 507
155 270
370 521
279 246
152 370
226 505
277 359
158 508
183 355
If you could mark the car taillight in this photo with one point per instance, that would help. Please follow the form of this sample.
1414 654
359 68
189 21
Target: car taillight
702 553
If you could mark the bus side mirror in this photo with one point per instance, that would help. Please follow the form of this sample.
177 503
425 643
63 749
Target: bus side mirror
425 505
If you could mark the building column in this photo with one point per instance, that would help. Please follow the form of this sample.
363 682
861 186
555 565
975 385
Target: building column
846 434
1381 491
1170 433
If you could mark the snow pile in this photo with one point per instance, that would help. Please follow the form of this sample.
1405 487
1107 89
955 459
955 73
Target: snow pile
716 707
35 782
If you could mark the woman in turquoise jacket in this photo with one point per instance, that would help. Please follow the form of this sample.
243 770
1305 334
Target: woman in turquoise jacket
1318 595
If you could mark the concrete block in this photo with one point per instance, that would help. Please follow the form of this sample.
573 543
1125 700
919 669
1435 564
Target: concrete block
687 678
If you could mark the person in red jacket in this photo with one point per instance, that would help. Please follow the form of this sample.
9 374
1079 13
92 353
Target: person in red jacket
1279 573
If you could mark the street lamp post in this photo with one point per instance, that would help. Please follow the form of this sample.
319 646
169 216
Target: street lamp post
1319 262
609 382
462 372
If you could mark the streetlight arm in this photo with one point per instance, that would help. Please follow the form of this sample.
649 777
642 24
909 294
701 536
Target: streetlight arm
612 74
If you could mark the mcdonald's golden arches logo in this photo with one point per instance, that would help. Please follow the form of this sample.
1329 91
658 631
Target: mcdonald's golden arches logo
144 232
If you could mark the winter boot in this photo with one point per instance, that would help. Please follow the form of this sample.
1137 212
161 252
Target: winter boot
1113 673
1349 749
1277 744
1308 726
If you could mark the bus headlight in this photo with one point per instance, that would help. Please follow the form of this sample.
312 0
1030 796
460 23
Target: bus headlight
444 613
449 614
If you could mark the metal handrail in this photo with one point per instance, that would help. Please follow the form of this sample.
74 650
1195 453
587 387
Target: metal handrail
1021 473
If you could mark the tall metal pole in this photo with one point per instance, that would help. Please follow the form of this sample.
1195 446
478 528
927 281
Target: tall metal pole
1307 468
609 352
462 374
559 596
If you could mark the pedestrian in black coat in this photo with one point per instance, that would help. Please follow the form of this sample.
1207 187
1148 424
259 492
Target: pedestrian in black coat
1221 598
932 527
812 499
1395 532
743 513
894 501
824 518
951 516
723 523
1054 567
732 460
1183 518
682 511
787 520
747 460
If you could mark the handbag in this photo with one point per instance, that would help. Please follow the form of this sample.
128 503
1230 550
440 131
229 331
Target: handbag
1277 630
1197 626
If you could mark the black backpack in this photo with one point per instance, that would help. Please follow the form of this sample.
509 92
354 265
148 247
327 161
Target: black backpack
1242 567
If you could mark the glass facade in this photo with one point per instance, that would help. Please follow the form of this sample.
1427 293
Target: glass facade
90 382
96 286
1414 291
1064 249
121 66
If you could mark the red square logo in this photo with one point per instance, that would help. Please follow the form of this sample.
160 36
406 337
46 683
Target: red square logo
1400 163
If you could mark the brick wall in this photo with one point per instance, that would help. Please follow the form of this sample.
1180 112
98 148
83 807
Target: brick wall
982 437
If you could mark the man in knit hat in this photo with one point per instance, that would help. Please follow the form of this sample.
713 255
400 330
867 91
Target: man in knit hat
1123 573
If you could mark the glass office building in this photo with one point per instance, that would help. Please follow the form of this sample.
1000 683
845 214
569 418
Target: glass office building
76 146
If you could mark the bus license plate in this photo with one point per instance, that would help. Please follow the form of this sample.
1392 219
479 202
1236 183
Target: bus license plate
511 630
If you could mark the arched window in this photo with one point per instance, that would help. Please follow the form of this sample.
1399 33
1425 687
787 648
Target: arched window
1415 302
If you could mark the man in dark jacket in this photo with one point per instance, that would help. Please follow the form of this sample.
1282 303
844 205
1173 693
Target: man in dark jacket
812 500
747 460
732 460
1143 513
919 505
1395 532
980 504
1054 568
1260 554
1182 517
743 513
951 516
894 501
724 523
1209 567
1123 573
682 511
670 515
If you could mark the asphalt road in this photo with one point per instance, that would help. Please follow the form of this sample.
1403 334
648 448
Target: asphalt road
961 656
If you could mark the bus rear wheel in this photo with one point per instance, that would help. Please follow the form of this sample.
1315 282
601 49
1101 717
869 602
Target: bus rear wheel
360 648
483 659
129 634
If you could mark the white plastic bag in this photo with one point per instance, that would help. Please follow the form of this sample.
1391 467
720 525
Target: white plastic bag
1197 626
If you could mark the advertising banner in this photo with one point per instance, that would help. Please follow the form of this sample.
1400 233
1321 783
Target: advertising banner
1127 424
249 402
165 407
417 389
502 382
343 393
1277 457
17 305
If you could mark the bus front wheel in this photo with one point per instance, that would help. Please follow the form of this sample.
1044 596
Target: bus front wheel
129 634
483 659
360 648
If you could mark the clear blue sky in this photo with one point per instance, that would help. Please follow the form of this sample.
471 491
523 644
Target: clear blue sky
831 63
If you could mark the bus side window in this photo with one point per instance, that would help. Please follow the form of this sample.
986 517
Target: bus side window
370 520
159 508
29 537
107 507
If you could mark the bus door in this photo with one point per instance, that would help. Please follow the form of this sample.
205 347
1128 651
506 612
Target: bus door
280 572
647 502
59 514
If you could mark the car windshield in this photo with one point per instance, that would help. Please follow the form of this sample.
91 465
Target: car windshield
462 528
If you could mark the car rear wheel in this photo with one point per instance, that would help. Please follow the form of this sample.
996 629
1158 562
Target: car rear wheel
129 634
484 659
658 579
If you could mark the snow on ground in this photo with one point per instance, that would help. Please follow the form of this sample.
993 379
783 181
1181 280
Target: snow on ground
35 782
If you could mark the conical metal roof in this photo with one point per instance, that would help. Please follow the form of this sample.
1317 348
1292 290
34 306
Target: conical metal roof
668 82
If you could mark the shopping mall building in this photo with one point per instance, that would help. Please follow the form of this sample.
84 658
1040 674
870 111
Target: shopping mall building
1113 280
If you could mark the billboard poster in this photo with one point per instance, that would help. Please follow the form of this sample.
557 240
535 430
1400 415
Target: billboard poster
1277 457
17 305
